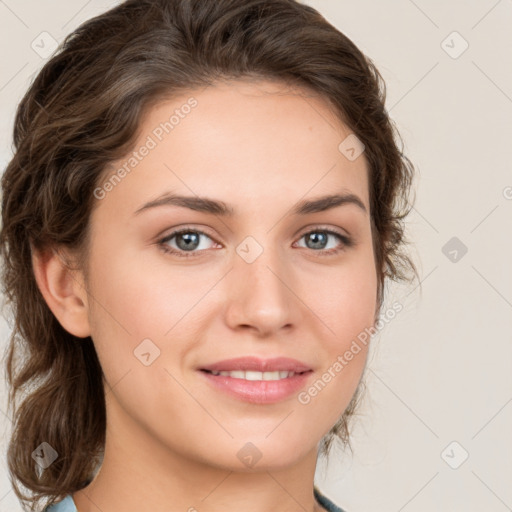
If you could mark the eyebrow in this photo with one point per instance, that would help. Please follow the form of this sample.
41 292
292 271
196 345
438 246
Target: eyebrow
215 207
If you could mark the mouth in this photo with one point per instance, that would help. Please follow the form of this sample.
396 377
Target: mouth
253 365
252 375
257 381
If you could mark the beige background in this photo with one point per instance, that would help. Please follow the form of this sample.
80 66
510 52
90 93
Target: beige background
441 370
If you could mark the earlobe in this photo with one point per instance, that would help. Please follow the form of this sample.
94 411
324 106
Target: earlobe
63 290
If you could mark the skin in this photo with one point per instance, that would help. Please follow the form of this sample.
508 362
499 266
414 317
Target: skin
172 440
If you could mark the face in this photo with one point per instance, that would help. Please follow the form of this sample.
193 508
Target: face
256 272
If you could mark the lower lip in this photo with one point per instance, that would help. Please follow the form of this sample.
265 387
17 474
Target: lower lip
258 391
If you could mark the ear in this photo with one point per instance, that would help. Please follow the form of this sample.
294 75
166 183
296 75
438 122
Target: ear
63 290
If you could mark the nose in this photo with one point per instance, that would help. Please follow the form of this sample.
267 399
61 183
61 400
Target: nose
260 295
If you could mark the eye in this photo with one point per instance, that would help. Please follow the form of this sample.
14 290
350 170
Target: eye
318 240
187 240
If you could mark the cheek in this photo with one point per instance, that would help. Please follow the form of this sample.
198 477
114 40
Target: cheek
123 311
344 298
135 298
347 308
137 294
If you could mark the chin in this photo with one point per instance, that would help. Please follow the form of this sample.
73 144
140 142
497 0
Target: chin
262 454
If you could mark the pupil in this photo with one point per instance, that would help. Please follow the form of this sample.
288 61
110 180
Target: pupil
316 236
191 240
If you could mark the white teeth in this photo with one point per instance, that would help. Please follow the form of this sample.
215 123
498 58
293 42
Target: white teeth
252 375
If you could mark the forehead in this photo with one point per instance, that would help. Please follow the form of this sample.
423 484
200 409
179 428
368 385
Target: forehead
244 140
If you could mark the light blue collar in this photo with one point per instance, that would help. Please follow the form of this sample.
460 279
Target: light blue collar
66 505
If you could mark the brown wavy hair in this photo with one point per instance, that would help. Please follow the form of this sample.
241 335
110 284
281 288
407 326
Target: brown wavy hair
81 113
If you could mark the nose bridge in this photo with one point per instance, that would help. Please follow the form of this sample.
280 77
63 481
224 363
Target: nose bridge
260 296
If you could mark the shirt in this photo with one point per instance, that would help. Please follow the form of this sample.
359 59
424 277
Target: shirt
68 505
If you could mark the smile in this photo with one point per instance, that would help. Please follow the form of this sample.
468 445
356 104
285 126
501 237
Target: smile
252 375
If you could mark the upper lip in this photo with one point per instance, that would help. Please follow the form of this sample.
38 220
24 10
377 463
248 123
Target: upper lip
259 365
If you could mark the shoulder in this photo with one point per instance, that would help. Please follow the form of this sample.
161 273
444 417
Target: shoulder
326 502
66 505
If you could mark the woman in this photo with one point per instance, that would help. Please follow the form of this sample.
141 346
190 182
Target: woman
205 202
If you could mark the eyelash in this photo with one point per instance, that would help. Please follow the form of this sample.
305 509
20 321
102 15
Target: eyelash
347 242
